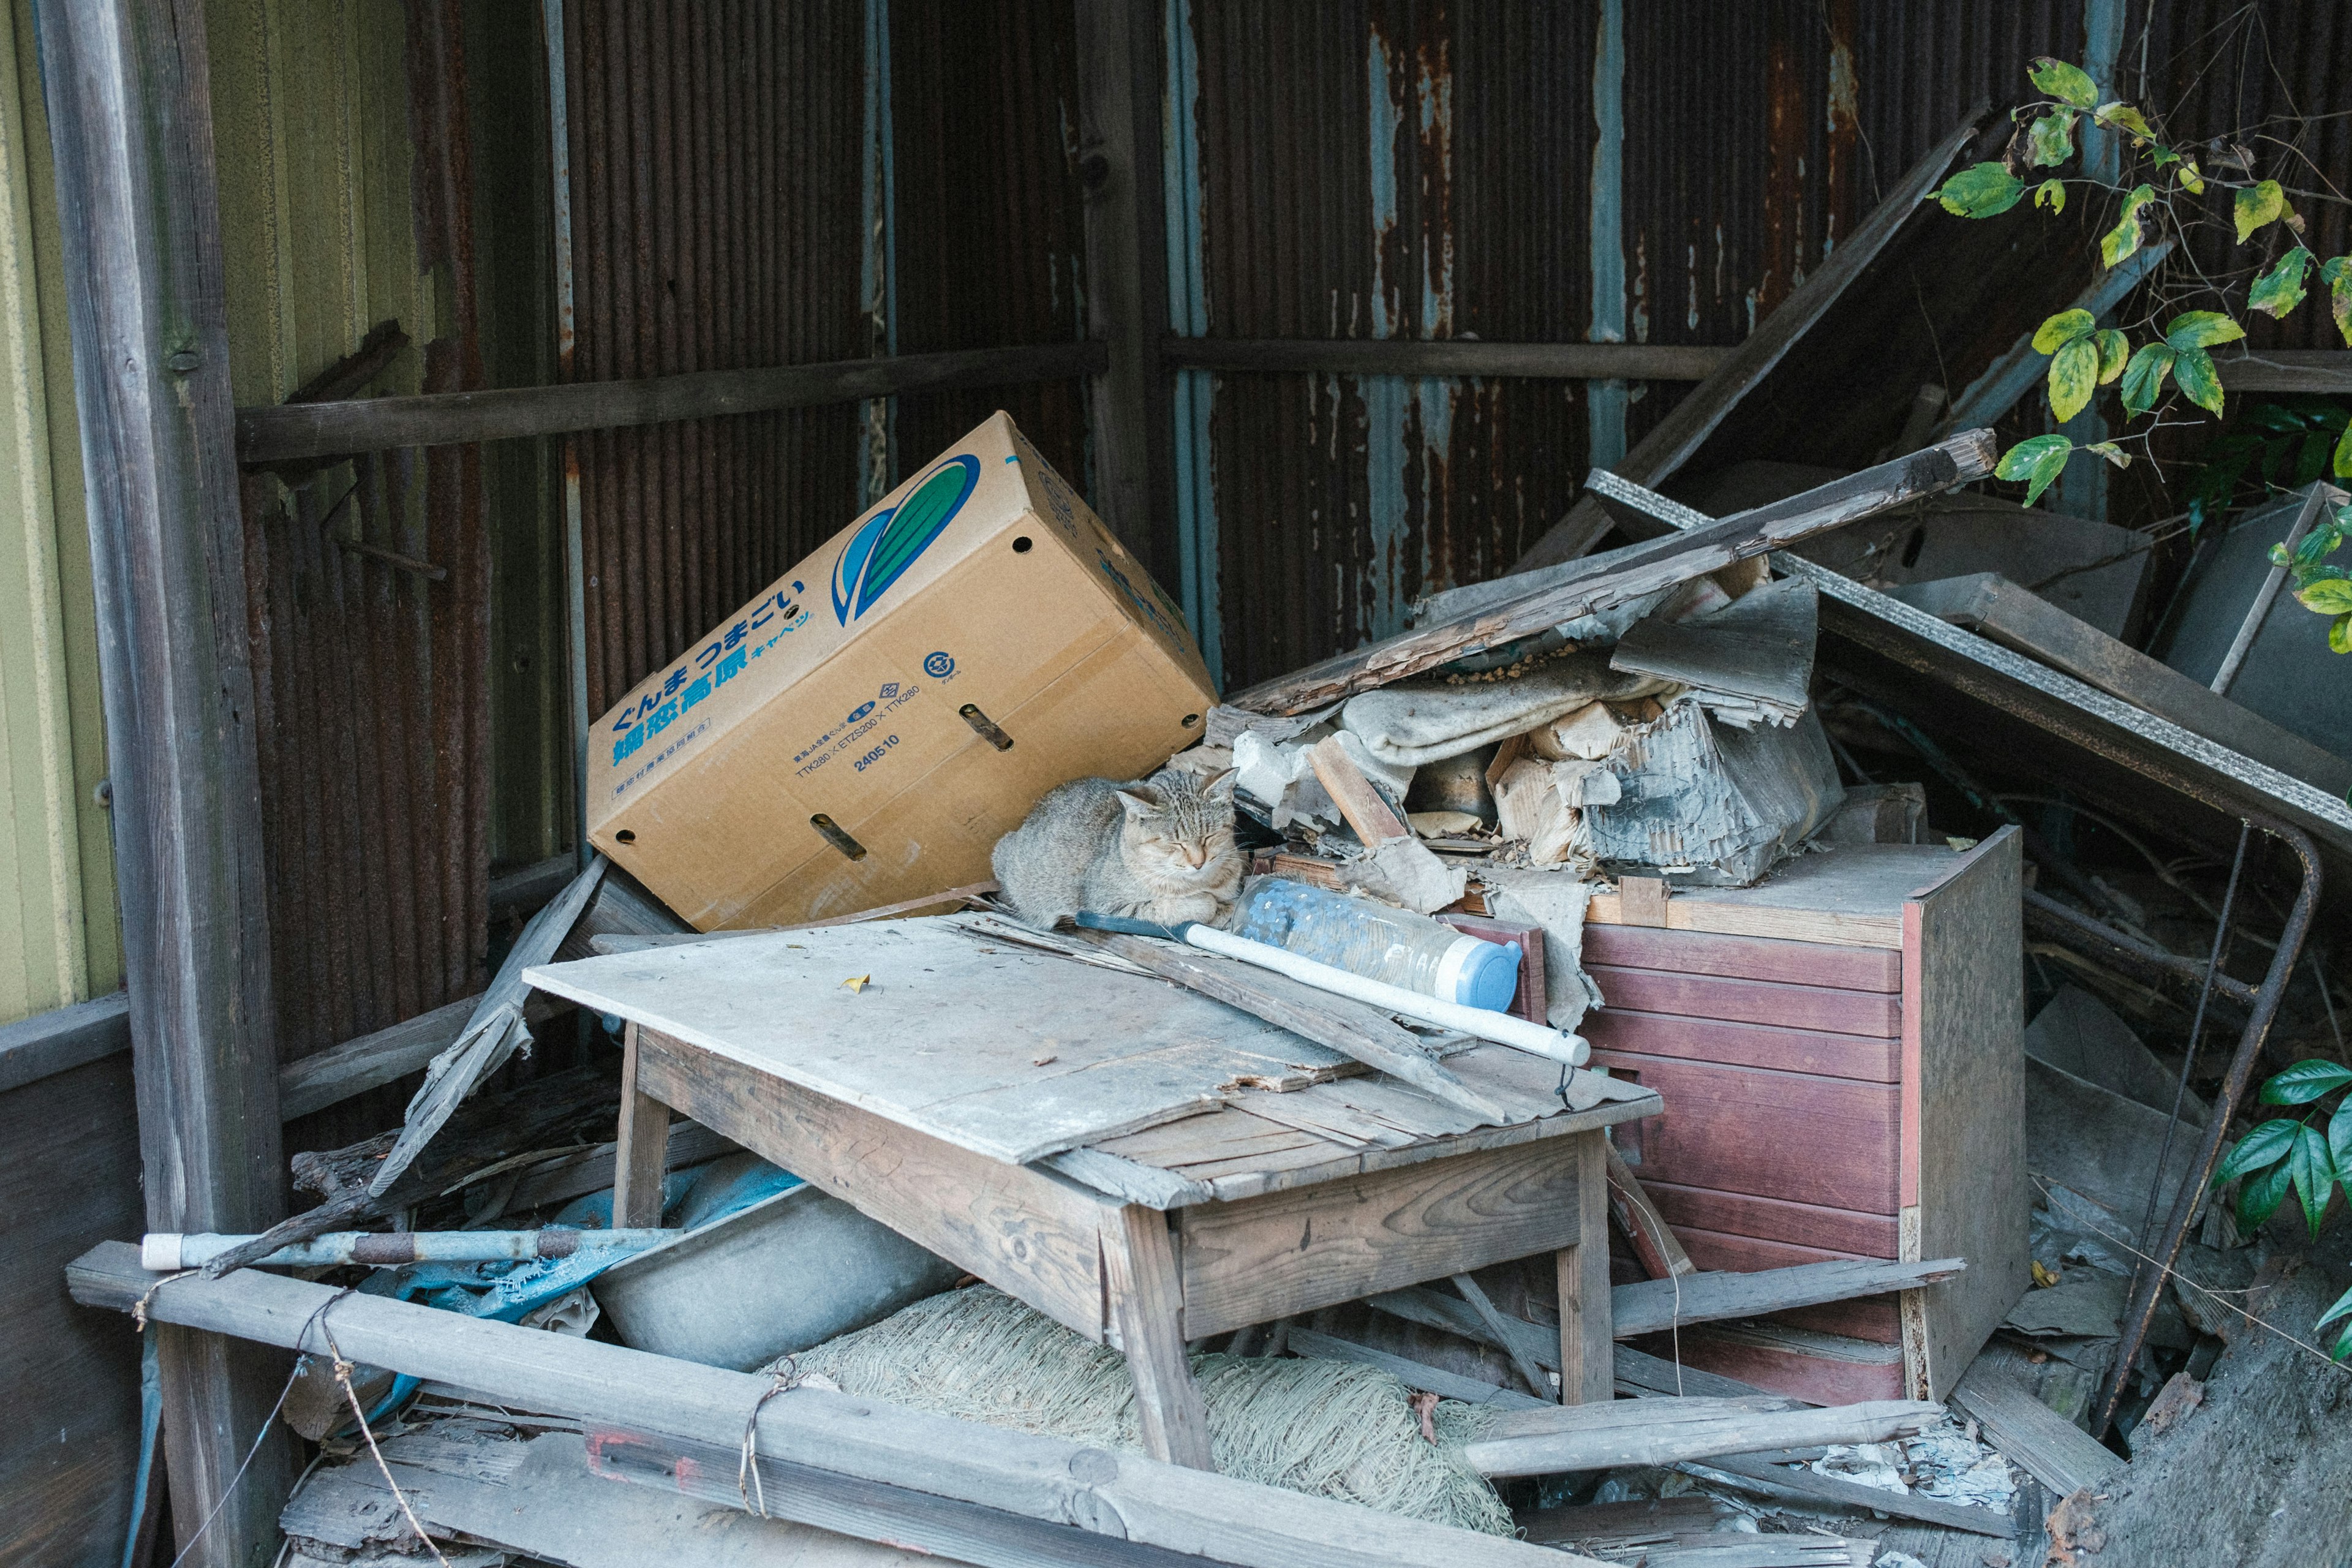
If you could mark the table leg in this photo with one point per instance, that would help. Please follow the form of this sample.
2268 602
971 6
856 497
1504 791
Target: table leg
1587 1350
1146 1303
642 1157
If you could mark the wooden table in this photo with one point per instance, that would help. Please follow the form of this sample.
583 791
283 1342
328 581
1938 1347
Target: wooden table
1135 1161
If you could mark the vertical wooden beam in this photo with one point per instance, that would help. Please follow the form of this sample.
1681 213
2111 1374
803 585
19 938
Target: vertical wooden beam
1127 270
130 115
1587 1350
1147 1309
641 1156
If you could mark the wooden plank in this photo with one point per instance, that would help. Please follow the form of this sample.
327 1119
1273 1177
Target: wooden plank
369 1061
1871 1318
1641 901
1850 897
1989 604
2324 371
2031 1436
1083 1491
1868 1058
1147 1314
65 1039
1744 958
1964 941
1840 927
1007 1051
1824 1369
639 1149
1026 1232
1586 587
128 90
1816 1007
1445 357
1808 1483
1685 427
1128 1181
1636 1372
1362 805
1119 165
1289 1252
69 1179
1581 1271
1656 1304
1812 1225
1653 1240
1775 1135
1616 1434
1405 1370
291 430
1641 1375
1529 1370
1350 1027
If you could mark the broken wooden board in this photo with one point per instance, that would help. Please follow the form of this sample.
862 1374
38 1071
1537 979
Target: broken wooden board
1658 1304
2031 1436
1602 582
1625 1432
1812 1484
1004 1051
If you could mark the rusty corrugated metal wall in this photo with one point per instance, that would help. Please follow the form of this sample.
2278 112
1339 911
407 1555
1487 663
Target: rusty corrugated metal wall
346 201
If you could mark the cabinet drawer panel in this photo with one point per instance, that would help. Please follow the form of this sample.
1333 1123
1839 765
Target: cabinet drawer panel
1775 1135
1821 1007
1745 957
1745 1045
1828 1230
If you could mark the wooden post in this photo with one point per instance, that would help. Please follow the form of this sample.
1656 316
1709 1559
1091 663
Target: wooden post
1127 271
1147 1304
640 1157
1587 1348
130 116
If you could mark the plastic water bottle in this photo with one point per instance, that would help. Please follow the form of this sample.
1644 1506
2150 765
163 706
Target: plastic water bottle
1379 942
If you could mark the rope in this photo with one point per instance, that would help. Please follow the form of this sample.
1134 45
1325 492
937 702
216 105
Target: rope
787 1376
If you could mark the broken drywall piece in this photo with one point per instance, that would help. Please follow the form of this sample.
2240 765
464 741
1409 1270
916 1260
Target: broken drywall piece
1589 735
1543 804
1720 805
1279 776
1556 901
1751 661
1417 721
1415 874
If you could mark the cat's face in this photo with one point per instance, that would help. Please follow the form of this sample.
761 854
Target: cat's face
1180 828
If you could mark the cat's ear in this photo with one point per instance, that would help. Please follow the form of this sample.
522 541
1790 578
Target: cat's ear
1219 786
1140 800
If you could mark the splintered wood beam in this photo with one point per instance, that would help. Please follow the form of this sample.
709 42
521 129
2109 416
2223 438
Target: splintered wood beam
1529 1369
1625 1432
1363 805
845 1462
1657 1304
1653 1239
2036 1439
1600 582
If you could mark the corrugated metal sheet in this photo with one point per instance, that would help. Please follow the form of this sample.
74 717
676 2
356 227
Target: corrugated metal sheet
60 940
346 200
717 164
1373 171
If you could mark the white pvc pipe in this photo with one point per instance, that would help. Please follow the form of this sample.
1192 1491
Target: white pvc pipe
1503 1028
166 1252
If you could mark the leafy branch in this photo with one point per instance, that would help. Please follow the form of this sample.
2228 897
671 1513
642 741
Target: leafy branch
2169 191
2291 1155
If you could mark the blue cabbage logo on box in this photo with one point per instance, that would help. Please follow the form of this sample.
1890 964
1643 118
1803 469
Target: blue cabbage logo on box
880 553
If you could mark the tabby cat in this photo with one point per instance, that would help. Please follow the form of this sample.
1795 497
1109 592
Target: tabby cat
1158 851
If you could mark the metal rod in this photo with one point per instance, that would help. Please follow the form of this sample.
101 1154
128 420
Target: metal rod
167 1252
2148 1283
2147 953
2259 611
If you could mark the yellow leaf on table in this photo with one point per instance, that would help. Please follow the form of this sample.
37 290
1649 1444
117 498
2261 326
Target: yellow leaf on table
858 981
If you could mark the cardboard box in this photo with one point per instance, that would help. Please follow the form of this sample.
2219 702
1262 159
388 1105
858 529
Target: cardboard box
866 730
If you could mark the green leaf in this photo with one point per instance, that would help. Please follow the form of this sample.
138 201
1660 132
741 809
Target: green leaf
2143 377
2115 351
2328 596
2063 82
2280 289
2190 179
2073 377
2268 1143
2340 1137
2339 634
2124 118
1981 190
2111 452
2314 1174
2336 273
2342 463
2343 1346
2062 329
2261 1196
2343 1308
2305 1082
2049 140
2163 157
2256 206
2050 194
2203 330
2194 374
2037 459
2125 238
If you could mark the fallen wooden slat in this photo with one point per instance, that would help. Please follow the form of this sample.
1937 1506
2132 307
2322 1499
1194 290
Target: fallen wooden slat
853 1451
330 1077
1636 1372
1444 357
1411 1373
1350 1027
1812 1484
2031 1436
1518 608
1656 1304
631 941
1550 1439
1497 1325
1653 1238
1641 1375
